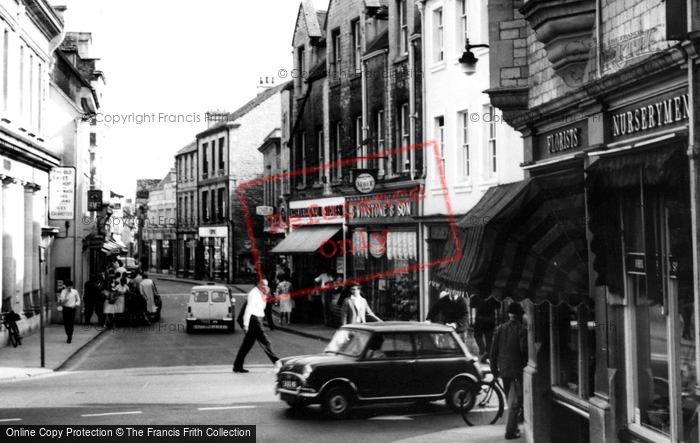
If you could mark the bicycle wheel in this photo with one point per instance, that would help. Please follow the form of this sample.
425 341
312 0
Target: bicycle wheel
15 338
483 404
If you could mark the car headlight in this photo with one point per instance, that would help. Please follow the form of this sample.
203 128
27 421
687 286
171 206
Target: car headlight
306 371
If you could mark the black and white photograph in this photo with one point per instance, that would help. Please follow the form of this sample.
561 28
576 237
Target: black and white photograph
393 221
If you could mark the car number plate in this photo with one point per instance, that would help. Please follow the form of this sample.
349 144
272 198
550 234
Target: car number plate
205 322
289 384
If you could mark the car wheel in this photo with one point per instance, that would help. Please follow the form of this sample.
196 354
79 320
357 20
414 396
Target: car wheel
456 392
337 402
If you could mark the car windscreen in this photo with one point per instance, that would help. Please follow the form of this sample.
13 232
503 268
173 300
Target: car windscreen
219 297
348 342
201 296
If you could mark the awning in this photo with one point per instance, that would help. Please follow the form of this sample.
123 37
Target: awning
627 168
306 240
524 240
111 247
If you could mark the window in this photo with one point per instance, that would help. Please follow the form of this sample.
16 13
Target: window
31 90
213 158
439 36
437 344
301 66
381 145
338 151
386 346
463 24
359 147
221 204
573 349
440 133
321 158
192 167
21 81
492 154
303 158
205 161
5 68
337 55
403 27
205 206
180 208
186 212
40 94
404 137
357 46
222 162
465 170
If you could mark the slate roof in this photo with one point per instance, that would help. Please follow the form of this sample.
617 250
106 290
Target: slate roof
190 147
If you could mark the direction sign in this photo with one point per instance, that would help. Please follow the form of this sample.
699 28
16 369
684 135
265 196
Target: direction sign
62 193
264 210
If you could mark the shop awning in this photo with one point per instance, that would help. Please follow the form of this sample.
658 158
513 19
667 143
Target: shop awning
111 247
523 240
306 240
626 168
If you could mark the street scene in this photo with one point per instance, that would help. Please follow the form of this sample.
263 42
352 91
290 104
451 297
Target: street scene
350 220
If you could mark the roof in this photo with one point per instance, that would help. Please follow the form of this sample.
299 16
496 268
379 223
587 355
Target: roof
318 71
190 147
400 326
321 17
382 42
243 110
315 21
210 286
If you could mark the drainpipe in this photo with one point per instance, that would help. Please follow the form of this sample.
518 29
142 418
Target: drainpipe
412 106
363 65
424 250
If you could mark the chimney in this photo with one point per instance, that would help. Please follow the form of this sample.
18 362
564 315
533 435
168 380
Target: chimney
262 87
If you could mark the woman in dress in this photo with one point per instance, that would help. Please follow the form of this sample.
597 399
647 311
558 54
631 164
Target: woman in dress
122 288
284 288
110 301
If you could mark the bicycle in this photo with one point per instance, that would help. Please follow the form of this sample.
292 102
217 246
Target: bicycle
9 321
483 403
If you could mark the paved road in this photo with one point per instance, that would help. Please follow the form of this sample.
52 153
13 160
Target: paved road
164 376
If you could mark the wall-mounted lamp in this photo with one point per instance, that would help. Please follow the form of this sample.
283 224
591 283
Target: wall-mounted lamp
468 60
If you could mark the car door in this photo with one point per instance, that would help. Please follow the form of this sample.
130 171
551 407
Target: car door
440 358
391 359
219 304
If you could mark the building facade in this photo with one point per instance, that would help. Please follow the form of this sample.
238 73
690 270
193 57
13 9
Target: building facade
160 225
31 32
187 204
604 94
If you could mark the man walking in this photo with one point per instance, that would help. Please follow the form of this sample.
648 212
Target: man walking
454 310
356 309
70 300
508 359
253 327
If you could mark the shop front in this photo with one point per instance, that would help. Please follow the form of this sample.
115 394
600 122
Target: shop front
187 254
313 246
213 247
385 249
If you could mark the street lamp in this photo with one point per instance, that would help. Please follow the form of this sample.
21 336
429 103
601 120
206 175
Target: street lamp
468 61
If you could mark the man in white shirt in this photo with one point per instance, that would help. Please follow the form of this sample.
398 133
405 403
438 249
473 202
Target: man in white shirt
253 327
70 300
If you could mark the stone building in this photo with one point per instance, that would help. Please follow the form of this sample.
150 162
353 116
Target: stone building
159 233
187 204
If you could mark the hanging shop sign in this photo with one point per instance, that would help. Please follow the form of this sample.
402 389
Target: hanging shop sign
364 180
94 200
213 231
62 193
660 113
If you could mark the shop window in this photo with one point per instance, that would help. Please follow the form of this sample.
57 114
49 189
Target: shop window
661 374
573 349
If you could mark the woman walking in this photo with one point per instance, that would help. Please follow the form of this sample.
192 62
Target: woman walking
121 289
284 288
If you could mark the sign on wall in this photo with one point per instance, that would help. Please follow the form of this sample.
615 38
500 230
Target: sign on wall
62 193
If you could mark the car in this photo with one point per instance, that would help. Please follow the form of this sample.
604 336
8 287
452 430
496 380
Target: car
130 263
378 363
211 305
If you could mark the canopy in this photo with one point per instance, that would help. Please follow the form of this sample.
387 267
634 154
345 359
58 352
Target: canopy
523 240
306 240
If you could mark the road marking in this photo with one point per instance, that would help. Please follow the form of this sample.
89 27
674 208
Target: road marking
10 419
144 386
111 413
391 417
226 407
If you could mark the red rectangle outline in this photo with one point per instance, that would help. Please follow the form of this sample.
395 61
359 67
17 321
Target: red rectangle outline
354 160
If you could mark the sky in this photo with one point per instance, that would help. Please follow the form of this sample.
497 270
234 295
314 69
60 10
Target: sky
176 60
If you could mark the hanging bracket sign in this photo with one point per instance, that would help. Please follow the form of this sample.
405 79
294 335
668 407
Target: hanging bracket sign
62 193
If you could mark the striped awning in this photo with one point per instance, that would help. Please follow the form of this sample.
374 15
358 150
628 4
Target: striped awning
306 240
523 240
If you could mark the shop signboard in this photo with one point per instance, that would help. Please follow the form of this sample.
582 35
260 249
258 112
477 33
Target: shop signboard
562 141
62 193
660 113
94 200
213 231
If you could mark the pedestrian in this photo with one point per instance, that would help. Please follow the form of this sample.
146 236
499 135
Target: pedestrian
454 310
91 295
323 293
356 309
100 299
284 289
69 300
121 289
508 359
253 327
148 290
268 306
484 315
110 297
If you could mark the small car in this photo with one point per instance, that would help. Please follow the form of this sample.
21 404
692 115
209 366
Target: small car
211 305
379 363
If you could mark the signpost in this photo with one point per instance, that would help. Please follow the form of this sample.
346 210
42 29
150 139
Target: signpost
264 210
62 193
94 200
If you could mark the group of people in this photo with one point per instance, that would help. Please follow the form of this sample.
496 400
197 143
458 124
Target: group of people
115 297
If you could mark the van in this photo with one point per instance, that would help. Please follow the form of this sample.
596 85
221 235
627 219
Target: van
211 305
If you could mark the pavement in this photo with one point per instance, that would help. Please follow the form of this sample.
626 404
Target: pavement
25 361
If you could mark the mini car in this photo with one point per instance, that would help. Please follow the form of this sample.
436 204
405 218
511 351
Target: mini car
211 305
379 363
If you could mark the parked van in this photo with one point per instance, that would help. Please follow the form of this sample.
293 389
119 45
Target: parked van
211 305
